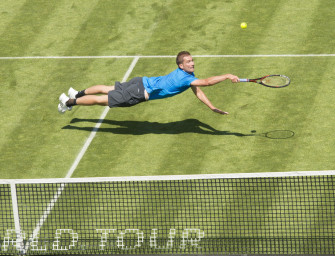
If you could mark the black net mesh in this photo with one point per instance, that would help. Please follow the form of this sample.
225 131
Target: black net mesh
282 215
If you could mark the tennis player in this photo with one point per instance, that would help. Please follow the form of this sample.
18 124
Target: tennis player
140 89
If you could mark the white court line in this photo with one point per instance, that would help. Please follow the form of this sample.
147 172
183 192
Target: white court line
74 166
16 216
170 56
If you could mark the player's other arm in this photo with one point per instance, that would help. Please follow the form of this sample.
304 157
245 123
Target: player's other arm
215 80
201 96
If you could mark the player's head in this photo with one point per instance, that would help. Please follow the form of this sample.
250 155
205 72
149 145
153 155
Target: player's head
185 61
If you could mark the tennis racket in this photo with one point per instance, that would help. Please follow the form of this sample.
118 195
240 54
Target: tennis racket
273 81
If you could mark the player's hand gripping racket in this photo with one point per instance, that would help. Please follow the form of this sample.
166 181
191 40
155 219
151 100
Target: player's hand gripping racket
273 81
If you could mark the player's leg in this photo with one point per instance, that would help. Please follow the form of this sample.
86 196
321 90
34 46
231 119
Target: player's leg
65 103
96 89
89 100
85 97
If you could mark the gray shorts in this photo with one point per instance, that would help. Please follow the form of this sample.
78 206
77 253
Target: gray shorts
127 94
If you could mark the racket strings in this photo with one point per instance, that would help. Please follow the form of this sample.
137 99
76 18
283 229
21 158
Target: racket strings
276 81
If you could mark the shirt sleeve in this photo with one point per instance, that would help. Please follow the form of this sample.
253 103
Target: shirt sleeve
187 80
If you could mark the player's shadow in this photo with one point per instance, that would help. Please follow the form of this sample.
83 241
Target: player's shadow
145 127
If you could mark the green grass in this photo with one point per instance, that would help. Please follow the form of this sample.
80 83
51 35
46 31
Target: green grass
177 135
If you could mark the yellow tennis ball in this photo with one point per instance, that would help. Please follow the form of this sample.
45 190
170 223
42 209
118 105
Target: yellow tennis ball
244 25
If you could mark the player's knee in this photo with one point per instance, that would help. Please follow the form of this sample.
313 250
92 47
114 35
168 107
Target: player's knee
108 88
102 100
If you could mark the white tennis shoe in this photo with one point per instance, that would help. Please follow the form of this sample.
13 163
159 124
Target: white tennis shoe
62 104
72 93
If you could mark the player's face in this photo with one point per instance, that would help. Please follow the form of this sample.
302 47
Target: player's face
188 64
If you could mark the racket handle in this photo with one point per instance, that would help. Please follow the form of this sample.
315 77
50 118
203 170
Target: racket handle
244 80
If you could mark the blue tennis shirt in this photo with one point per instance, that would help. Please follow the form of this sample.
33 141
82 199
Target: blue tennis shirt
167 86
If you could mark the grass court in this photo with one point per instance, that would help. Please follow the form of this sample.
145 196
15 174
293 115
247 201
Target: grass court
178 135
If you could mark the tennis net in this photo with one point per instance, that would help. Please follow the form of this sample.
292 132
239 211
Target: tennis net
240 214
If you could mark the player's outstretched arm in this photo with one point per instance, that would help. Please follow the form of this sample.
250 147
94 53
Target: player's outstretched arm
201 96
215 79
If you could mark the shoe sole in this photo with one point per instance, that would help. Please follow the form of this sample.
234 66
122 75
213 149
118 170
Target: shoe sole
60 109
62 105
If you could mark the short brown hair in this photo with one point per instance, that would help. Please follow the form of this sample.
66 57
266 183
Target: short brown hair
180 57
